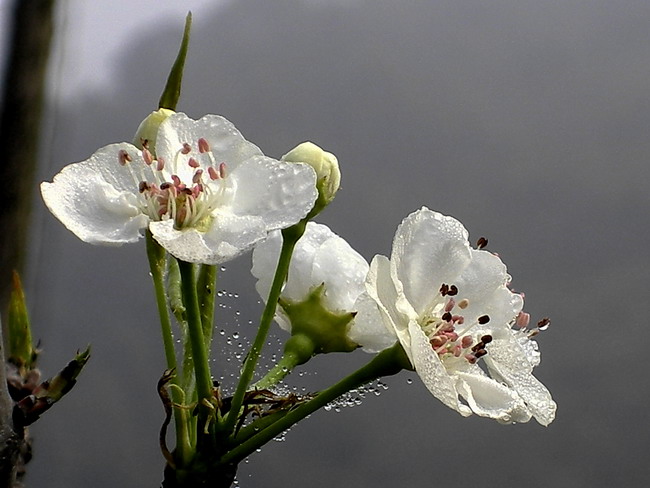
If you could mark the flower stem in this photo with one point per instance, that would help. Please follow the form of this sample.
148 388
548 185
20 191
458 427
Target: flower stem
286 364
157 256
206 289
197 342
290 237
388 362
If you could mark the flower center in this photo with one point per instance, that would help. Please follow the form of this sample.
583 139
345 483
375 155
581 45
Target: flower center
164 195
445 326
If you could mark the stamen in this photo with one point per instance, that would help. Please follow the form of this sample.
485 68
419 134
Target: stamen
160 164
147 156
204 146
123 157
463 304
186 148
481 243
222 170
197 176
449 306
483 319
214 174
523 319
544 323
453 291
193 163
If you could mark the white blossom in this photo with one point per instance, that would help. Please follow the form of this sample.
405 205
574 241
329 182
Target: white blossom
451 309
320 259
206 194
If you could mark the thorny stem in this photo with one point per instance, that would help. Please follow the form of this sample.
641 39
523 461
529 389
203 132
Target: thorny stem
290 237
157 255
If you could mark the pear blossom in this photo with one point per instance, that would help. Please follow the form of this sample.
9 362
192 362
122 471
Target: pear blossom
205 193
323 265
451 309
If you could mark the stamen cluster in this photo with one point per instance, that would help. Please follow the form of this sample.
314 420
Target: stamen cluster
168 197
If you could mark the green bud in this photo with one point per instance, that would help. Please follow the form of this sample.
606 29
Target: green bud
316 329
148 129
21 350
328 175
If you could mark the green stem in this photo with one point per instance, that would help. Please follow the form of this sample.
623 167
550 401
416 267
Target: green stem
286 364
197 342
206 290
389 362
157 255
290 237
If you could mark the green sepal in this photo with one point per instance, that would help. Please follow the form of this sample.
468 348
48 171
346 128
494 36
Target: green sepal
314 328
21 349
172 91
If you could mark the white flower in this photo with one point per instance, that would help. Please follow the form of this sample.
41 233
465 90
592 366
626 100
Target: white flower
206 193
451 309
321 261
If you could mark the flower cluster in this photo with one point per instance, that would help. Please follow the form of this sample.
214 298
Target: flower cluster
202 195
448 305
207 195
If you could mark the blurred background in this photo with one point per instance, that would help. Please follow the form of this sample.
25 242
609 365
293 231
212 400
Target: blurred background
528 121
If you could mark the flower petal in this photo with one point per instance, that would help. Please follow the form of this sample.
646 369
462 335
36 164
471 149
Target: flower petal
342 269
97 199
231 236
489 398
227 145
432 372
368 329
507 361
279 193
429 249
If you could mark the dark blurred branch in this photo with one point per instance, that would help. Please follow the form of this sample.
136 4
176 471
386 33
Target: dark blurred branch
20 121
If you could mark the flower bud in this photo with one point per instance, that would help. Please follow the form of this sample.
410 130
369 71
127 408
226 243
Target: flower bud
148 129
328 176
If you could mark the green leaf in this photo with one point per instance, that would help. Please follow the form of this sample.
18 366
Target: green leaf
21 349
172 92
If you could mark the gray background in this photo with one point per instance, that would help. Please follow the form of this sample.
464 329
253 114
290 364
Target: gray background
527 120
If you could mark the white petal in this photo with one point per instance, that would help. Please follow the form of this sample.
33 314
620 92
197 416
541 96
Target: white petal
429 249
432 371
228 237
342 269
97 198
301 280
489 398
381 287
279 193
369 328
508 362
265 260
227 145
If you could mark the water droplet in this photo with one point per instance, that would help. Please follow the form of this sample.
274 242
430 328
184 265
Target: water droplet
409 381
